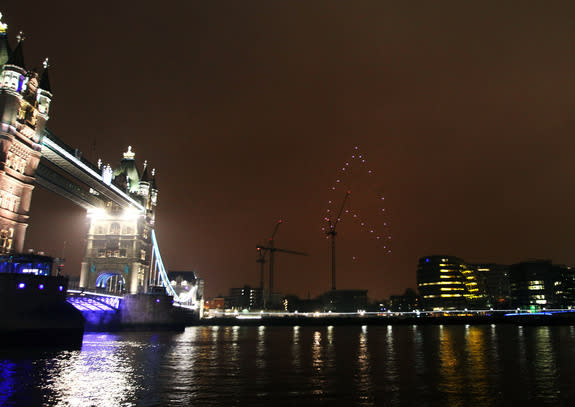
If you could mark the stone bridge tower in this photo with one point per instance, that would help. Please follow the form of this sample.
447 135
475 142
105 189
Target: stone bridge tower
25 98
119 246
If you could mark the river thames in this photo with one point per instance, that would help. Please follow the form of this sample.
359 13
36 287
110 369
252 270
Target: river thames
449 365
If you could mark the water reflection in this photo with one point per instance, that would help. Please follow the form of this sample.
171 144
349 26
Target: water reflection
390 362
261 373
419 356
261 348
296 350
449 368
545 365
363 376
477 371
522 349
236 366
318 378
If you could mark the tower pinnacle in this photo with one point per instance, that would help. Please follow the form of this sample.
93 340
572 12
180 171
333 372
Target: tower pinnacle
129 155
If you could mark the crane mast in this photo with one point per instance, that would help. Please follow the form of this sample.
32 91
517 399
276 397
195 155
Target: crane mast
331 232
271 249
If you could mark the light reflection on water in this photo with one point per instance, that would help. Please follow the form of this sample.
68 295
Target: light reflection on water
304 366
545 365
363 375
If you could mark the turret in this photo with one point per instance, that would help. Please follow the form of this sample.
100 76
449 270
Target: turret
154 189
44 93
25 97
129 171
13 75
145 182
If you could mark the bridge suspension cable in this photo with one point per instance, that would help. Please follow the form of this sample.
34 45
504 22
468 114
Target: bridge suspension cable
162 270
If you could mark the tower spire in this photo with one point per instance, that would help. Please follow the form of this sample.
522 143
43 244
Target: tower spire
17 57
45 79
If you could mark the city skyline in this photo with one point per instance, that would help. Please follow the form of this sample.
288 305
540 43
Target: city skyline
463 113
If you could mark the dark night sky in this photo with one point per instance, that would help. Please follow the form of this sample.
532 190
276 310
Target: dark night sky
249 110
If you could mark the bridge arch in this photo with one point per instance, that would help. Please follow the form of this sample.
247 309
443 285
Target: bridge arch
111 282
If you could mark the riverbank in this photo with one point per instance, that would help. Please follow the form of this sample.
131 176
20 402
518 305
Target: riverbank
516 318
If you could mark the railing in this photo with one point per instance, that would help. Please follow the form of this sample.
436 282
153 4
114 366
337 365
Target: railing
91 301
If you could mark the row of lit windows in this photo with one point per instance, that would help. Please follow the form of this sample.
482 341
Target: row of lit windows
441 283
9 201
115 229
12 80
112 253
16 160
443 295
118 253
112 244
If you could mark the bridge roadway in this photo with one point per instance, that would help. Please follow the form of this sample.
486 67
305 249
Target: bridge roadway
63 171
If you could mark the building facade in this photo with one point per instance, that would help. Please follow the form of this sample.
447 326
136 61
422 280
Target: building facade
247 297
541 284
447 282
495 280
119 246
344 301
407 302
25 97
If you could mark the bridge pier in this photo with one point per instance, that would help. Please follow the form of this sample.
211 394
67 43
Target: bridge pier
132 312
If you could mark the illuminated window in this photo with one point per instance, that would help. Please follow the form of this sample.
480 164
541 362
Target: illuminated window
115 229
9 158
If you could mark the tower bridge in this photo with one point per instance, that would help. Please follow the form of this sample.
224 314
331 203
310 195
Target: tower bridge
122 254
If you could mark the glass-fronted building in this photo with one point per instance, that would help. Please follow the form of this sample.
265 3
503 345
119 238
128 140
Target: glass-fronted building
540 284
447 282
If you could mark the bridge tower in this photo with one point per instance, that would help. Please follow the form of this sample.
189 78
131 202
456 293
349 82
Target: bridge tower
25 98
119 245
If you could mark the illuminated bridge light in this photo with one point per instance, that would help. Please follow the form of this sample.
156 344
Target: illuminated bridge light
21 286
41 287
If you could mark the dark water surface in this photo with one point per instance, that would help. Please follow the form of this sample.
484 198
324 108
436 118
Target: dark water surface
301 366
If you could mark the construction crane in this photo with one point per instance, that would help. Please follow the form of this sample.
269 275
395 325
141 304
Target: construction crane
271 249
262 261
331 232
